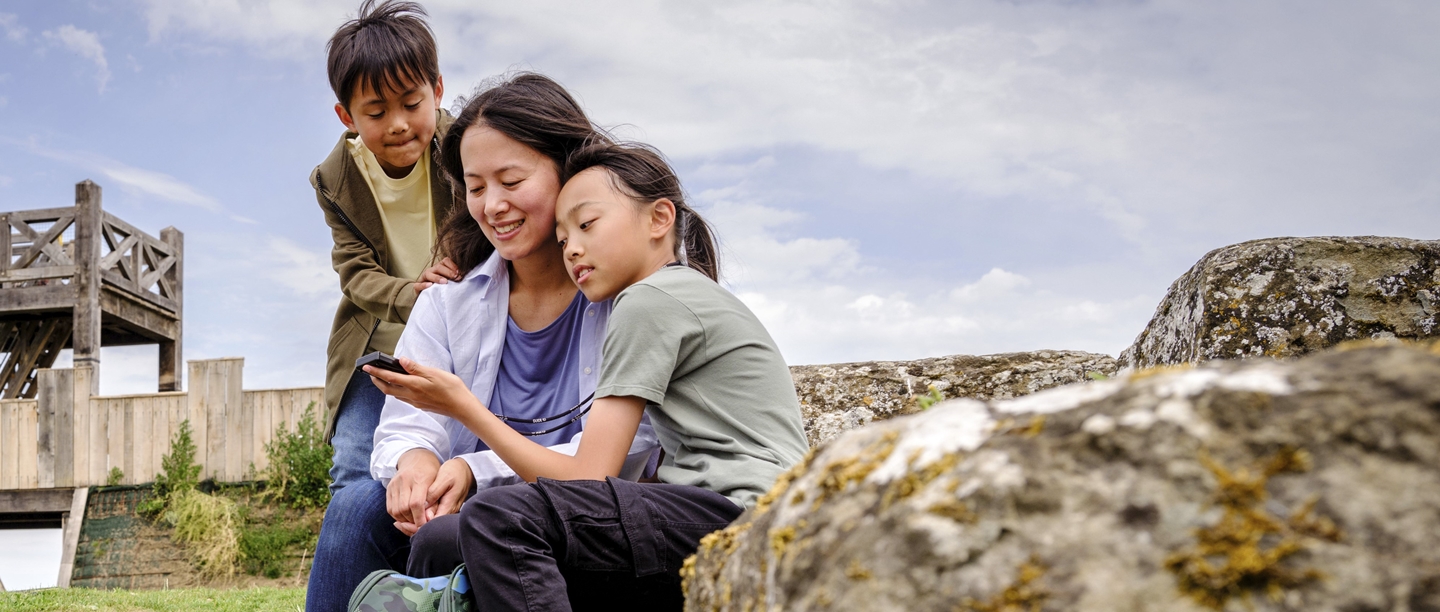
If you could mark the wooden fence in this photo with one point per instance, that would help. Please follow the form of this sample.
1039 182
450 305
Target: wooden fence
68 436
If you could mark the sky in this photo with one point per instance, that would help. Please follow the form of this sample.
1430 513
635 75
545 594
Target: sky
889 179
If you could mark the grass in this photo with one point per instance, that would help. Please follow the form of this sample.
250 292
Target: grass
176 600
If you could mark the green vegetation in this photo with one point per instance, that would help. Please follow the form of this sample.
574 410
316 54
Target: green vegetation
179 473
931 398
207 525
178 600
263 548
114 477
299 471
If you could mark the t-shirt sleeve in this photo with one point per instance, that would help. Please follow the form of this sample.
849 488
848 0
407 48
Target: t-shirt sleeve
648 331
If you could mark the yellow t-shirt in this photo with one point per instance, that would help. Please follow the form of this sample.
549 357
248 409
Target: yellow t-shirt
409 219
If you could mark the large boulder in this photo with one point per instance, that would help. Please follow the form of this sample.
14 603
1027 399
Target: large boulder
1311 484
1284 297
840 397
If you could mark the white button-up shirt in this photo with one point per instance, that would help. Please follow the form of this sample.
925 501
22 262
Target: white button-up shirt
460 327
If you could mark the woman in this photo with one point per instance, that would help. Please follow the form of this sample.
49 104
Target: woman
514 328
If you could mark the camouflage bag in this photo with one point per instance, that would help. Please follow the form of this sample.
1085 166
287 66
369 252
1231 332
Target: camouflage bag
389 591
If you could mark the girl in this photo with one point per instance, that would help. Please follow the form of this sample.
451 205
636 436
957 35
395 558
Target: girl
513 330
679 348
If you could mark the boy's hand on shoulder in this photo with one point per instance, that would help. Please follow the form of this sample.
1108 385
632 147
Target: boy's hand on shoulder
438 274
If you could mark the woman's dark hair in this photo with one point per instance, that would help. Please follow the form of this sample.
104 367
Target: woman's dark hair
386 46
530 109
641 173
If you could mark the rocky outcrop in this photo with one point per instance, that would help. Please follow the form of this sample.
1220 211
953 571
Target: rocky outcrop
840 397
1285 297
1236 485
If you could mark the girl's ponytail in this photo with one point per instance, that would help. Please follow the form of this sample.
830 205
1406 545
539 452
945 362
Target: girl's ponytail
639 171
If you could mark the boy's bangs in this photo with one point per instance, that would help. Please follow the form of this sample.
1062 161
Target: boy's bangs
384 77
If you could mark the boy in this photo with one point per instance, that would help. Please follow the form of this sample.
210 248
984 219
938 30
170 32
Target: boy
383 196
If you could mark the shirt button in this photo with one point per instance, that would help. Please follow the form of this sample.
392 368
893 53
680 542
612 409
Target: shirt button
591 313
587 370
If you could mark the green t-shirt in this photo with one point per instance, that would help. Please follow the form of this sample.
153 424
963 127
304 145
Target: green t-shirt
717 390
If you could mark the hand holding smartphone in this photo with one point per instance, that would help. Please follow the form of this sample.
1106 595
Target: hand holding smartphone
380 360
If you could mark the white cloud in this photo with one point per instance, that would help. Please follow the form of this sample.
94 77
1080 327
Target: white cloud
137 180
86 44
13 30
305 272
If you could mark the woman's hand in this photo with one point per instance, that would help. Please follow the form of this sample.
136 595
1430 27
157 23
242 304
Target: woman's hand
451 486
438 274
407 496
426 388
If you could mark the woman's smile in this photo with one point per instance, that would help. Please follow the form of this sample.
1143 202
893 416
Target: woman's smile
508 230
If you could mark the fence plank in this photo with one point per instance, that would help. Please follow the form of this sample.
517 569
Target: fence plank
10 451
26 461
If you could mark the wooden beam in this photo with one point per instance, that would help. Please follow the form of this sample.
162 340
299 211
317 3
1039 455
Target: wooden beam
140 316
88 218
35 501
56 396
73 522
41 298
172 283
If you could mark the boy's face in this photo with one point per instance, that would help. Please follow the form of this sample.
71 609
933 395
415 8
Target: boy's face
395 125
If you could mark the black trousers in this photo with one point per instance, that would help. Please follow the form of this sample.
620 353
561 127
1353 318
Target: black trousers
574 544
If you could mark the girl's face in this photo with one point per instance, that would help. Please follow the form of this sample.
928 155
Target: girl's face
609 242
510 190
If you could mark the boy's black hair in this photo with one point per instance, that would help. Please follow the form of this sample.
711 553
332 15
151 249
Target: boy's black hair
386 46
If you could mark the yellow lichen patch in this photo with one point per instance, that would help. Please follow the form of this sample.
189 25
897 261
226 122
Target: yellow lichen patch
1245 552
782 484
838 474
1023 595
954 510
857 571
780 539
1161 369
916 479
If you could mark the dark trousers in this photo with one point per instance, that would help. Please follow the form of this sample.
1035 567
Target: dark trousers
576 544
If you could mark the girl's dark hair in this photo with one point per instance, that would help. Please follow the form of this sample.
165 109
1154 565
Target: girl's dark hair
532 110
386 46
641 172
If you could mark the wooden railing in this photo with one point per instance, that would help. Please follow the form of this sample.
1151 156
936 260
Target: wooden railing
41 244
67 437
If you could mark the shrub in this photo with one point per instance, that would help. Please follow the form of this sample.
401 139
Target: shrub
299 470
263 548
207 525
179 473
114 477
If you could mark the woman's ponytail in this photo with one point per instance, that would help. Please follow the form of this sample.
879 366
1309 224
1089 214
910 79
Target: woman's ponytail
642 173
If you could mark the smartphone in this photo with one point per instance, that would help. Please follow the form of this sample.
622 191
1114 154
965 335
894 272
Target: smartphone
380 360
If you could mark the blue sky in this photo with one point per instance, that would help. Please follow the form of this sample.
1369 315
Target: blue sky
890 179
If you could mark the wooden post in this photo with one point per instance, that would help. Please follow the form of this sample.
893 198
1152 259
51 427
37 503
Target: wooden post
171 350
88 218
73 522
56 399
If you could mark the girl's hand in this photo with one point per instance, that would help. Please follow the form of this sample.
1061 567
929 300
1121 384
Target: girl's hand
440 273
426 388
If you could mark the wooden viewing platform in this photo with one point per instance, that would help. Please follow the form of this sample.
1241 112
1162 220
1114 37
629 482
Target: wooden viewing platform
78 277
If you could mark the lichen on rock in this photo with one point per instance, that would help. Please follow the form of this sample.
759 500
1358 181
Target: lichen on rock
1285 297
1305 485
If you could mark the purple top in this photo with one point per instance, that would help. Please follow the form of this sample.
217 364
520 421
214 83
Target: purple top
539 377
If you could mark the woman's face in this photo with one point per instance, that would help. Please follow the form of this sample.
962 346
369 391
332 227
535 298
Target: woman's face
510 190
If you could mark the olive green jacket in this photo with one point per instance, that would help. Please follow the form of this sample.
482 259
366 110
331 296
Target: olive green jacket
369 294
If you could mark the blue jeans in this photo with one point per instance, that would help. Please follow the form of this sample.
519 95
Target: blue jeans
355 432
357 537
